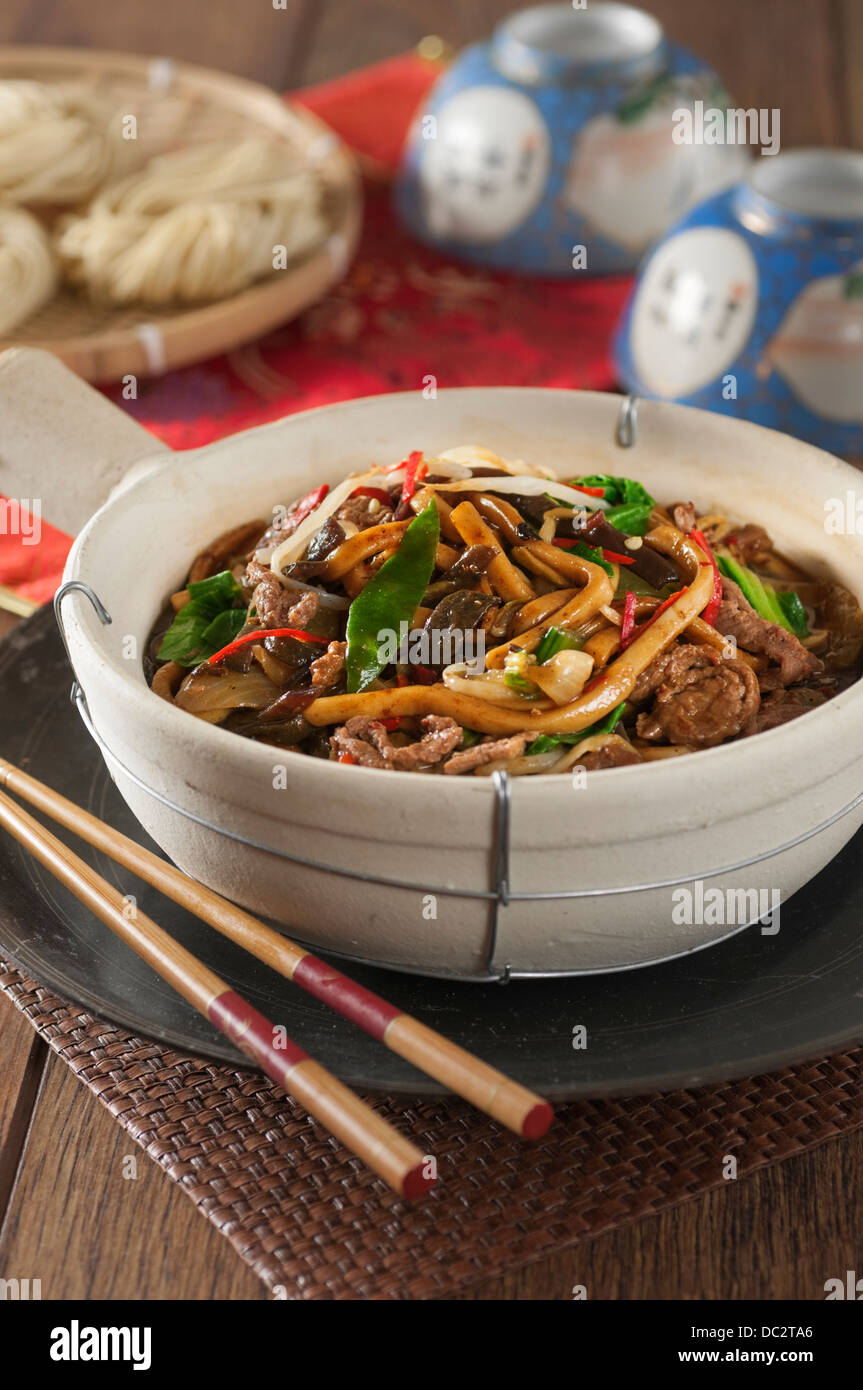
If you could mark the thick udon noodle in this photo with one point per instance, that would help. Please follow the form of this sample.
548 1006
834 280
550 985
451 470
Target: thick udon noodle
534 586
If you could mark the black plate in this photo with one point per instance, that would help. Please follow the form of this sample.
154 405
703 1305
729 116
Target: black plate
742 1007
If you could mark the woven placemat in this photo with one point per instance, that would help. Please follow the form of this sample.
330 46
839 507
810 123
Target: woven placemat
309 1217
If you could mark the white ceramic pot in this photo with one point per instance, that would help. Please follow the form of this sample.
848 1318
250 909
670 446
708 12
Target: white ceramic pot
630 826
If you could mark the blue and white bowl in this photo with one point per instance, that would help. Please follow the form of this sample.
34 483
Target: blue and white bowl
753 304
557 135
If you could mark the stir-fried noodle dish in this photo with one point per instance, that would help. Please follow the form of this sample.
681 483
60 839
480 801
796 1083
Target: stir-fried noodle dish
460 614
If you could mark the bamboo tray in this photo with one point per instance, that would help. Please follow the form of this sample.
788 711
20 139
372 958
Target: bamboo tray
177 104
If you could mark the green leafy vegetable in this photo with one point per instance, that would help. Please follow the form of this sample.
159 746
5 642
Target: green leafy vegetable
631 503
390 598
546 742
223 629
632 518
592 553
469 737
555 640
519 683
794 611
785 609
616 489
630 581
212 618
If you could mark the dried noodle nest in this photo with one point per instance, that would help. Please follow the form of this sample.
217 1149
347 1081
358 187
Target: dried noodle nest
28 267
195 225
58 144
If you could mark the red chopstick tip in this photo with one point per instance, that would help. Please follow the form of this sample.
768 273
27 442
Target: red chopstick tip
537 1121
418 1180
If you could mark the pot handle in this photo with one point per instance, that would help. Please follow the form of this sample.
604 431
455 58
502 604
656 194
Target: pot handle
62 442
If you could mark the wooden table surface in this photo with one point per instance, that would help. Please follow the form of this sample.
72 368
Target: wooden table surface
69 1217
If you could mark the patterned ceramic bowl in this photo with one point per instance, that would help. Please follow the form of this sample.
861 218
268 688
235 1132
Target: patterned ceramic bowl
557 135
753 304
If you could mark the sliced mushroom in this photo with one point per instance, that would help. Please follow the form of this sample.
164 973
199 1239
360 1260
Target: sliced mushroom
455 615
471 564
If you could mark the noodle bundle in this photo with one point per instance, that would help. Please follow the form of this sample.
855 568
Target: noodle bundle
28 267
58 144
195 225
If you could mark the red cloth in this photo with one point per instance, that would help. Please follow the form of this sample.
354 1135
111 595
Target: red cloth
402 314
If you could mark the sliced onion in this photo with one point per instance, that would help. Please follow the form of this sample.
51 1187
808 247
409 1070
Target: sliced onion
210 691
477 454
395 476
564 676
488 686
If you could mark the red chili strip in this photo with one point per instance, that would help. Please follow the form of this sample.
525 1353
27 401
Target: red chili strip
611 556
639 631
591 491
391 724
416 471
307 504
711 612
424 675
627 622
260 634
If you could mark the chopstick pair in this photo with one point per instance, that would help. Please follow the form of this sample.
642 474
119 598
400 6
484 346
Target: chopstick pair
364 1132
398 1162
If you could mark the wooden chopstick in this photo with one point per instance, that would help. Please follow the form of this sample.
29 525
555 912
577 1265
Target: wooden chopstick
460 1071
365 1133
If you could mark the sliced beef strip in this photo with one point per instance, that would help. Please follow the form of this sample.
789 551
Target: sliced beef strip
683 516
749 543
254 573
701 699
481 753
364 512
348 739
276 606
327 669
669 667
738 620
614 754
367 742
781 706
